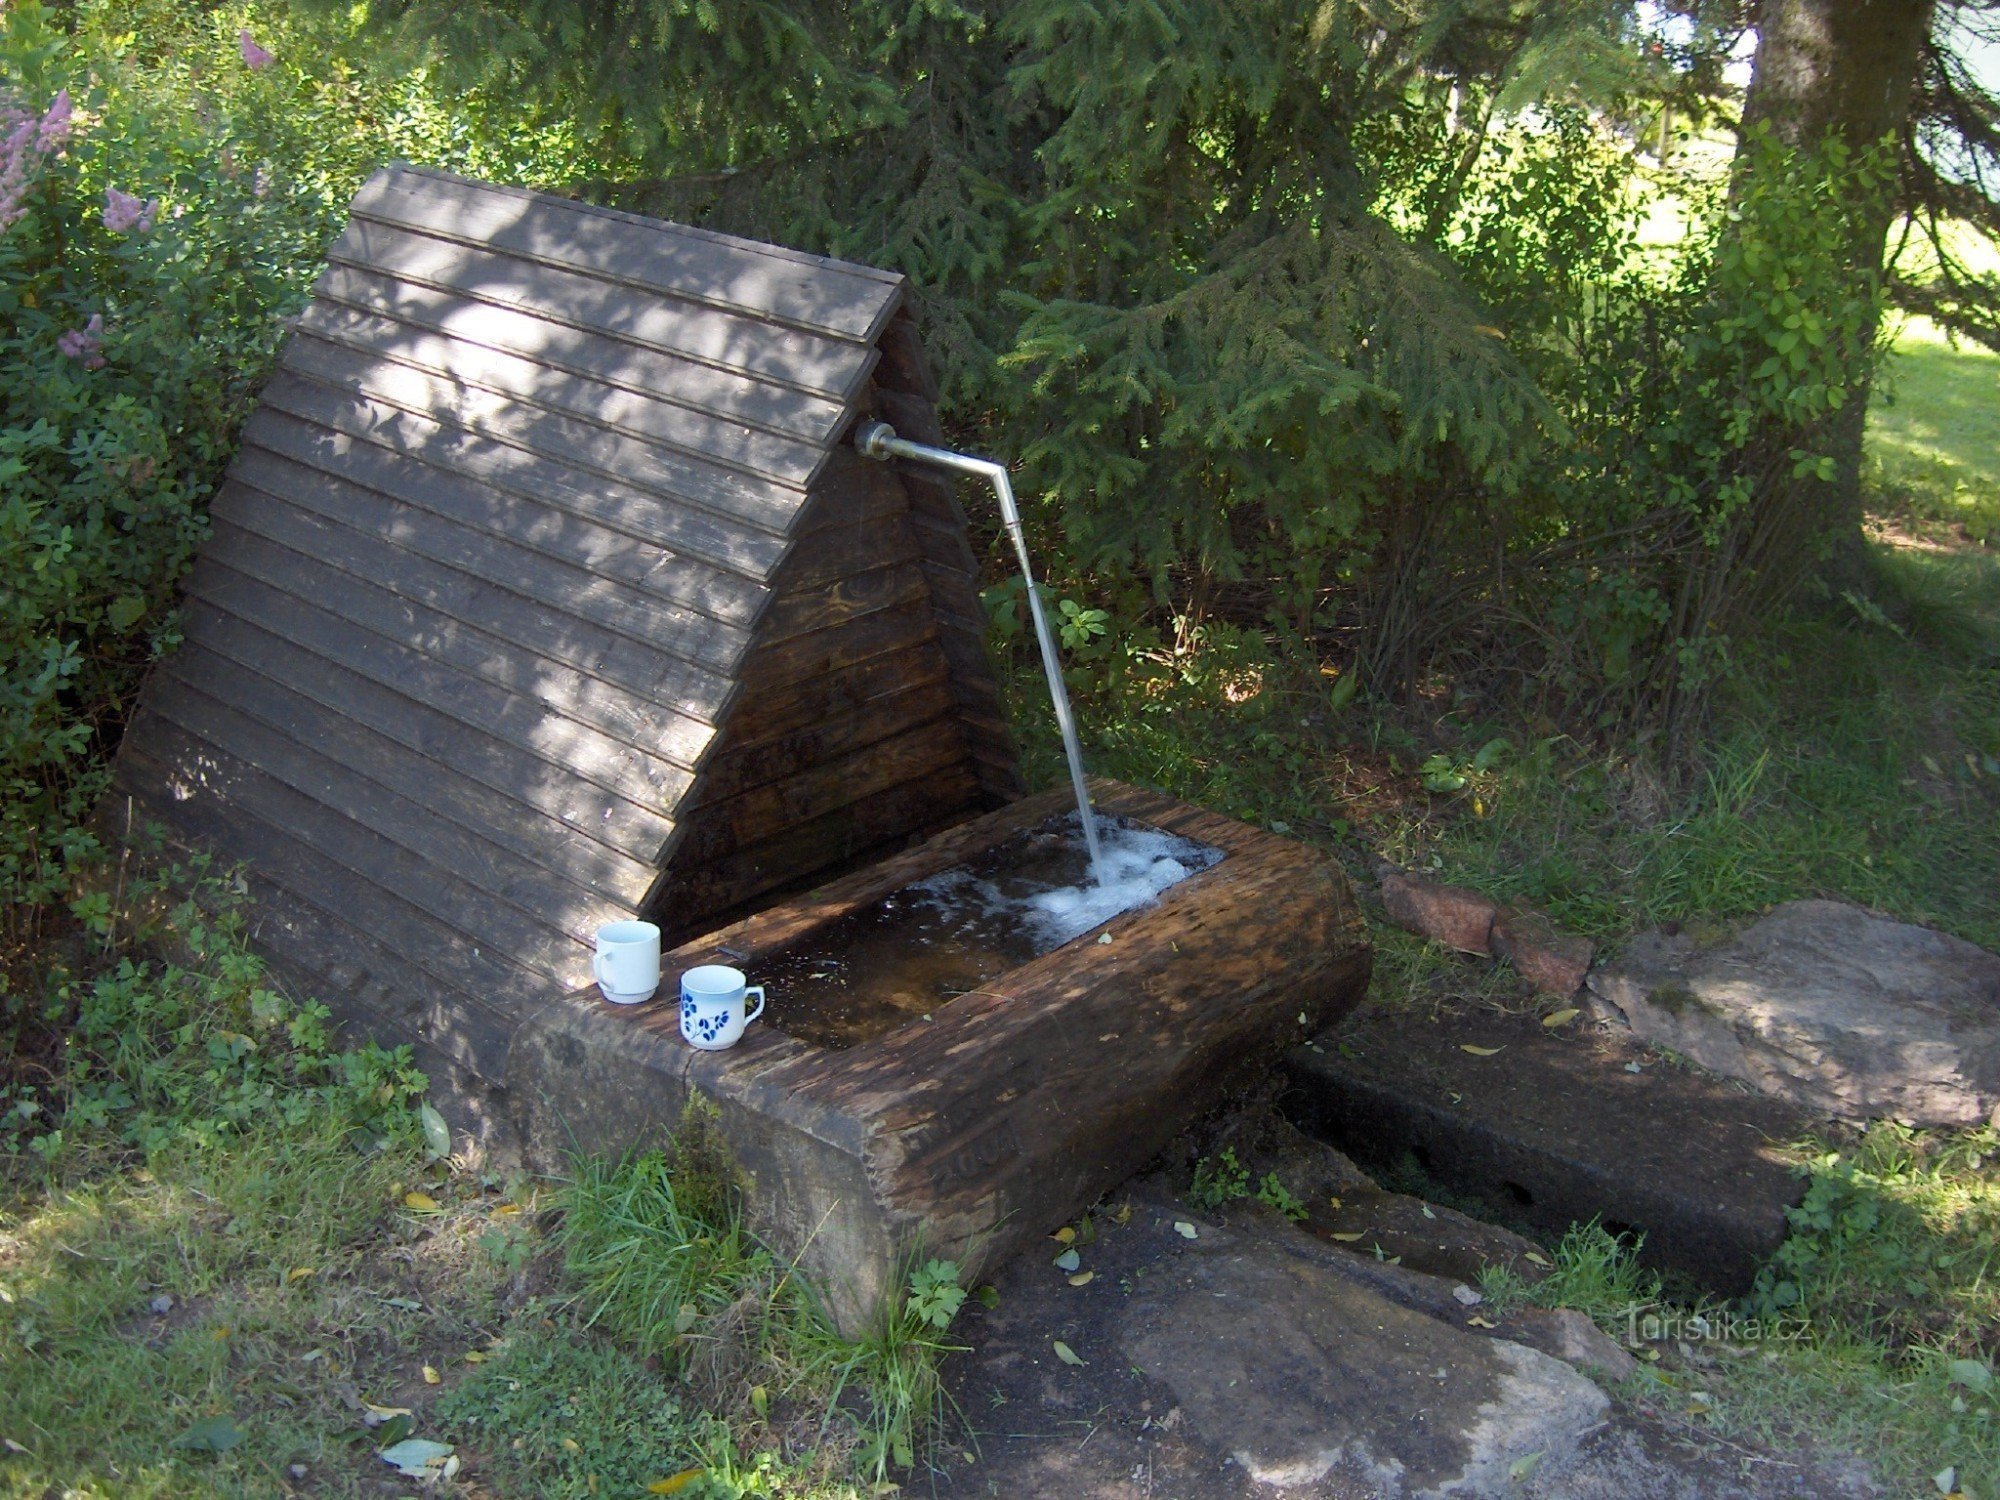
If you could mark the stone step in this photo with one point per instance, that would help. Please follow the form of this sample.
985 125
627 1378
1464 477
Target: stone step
1549 1128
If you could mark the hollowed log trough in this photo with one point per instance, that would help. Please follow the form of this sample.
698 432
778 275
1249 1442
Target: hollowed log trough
977 1130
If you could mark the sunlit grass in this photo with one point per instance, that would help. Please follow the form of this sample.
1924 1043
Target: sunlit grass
1934 431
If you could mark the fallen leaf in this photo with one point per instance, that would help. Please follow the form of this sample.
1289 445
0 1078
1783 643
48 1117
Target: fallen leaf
1083 1278
11 1446
1479 1323
418 1458
1184 1229
1427 1210
374 1415
1086 1230
1122 1214
502 1210
571 1445
437 1134
1066 1354
988 1297
760 1400
395 1430
474 1357
407 1304
1523 1466
1104 938
423 1203
1945 1479
299 1273
1063 1235
1069 1260
676 1483
1348 1239
210 1435
1971 1374
1335 1202
1561 1018
1478 1051
1539 1260
431 1376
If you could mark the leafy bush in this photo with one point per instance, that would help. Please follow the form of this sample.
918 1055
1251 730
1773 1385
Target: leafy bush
141 268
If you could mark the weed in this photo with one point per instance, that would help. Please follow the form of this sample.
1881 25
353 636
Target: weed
1274 1194
1219 1179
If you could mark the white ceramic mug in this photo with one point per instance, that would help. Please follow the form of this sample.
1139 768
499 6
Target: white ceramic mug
712 1001
626 964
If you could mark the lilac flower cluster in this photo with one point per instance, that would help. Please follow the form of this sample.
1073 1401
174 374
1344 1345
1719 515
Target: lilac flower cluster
25 139
125 214
83 343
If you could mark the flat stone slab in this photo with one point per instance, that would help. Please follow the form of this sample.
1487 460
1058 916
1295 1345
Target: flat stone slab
1332 1352
1840 1010
1548 1129
1304 1376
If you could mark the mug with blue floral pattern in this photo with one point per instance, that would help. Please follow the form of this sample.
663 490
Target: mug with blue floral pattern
712 1006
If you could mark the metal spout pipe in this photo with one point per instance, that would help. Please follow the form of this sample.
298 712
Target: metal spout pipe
878 440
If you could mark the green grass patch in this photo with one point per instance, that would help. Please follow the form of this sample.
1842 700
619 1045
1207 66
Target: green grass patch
1934 432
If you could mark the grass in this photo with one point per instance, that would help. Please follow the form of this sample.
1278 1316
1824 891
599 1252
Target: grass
1934 433
232 1263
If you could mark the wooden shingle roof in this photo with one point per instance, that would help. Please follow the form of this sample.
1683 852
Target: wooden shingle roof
490 573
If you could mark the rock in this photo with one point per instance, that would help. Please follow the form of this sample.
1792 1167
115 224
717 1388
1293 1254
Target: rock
1308 1379
1839 1010
1448 914
1549 1129
1569 1335
1553 961
1424 1236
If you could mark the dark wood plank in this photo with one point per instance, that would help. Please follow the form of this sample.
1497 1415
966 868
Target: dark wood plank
538 893
756 816
838 552
816 653
720 567
904 366
837 299
816 367
201 809
547 836
753 501
735 769
775 710
846 599
476 701
688 896
608 629
540 337
483 930
268 663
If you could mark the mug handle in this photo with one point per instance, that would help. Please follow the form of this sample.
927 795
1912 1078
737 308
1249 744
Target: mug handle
597 966
758 991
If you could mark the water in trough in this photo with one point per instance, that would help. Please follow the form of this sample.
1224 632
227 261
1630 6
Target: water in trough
923 946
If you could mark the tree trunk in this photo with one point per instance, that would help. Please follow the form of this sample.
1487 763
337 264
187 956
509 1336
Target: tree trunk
1840 69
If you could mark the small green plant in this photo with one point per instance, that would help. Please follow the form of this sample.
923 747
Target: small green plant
1219 1179
1274 1194
935 1295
